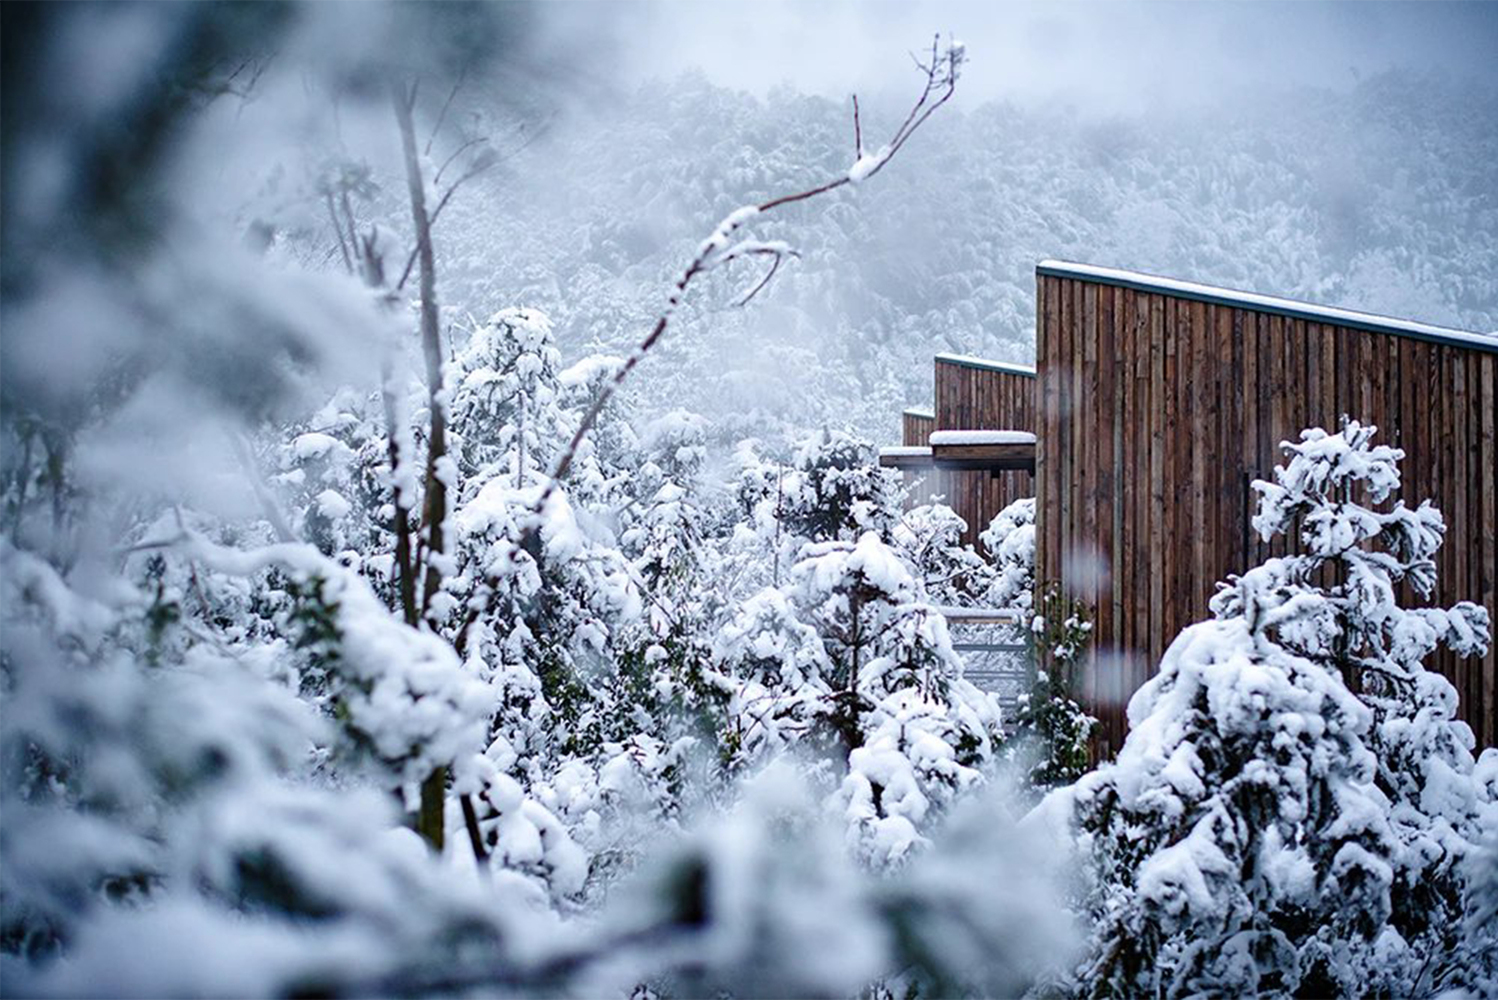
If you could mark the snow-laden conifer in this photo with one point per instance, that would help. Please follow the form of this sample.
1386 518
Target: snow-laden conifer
1268 828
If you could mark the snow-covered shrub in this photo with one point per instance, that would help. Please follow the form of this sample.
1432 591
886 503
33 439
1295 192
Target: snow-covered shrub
176 809
1356 627
929 539
1010 541
505 411
1048 736
831 489
914 729
732 906
1265 829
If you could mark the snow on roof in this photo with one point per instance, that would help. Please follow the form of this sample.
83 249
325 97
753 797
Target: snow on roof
969 361
903 450
939 438
1268 303
920 411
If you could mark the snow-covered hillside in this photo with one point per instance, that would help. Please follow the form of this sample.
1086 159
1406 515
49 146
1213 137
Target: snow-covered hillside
1384 199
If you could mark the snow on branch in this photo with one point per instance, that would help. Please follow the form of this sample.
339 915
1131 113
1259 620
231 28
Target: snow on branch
940 72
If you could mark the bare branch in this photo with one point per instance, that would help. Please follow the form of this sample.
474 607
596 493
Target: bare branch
338 231
348 219
479 167
857 130
749 295
441 115
941 74
429 822
437 177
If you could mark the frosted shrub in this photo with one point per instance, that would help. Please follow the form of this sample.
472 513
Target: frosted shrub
831 489
505 396
914 729
1010 540
929 539
764 901
1264 829
1049 733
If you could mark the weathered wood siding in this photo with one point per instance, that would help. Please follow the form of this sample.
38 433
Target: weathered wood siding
1158 410
916 427
977 395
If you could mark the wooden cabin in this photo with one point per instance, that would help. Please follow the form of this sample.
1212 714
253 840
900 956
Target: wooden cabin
977 480
1155 403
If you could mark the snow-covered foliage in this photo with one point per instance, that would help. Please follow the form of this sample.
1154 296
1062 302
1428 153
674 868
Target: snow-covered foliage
1373 199
681 717
1010 541
1296 806
1047 737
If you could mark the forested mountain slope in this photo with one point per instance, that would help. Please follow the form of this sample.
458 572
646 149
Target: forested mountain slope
1384 199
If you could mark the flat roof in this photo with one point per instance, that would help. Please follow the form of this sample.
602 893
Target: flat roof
968 361
1268 303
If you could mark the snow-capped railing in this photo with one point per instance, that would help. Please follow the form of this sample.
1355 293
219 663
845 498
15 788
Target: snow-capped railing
905 456
983 449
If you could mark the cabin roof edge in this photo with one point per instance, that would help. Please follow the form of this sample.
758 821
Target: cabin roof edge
970 361
1267 303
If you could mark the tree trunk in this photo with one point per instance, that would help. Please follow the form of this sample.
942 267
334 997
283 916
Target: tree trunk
434 789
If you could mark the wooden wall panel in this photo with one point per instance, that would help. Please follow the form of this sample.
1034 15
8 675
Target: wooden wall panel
977 395
1156 411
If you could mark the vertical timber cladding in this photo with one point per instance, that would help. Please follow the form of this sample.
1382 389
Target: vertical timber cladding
975 394
1159 402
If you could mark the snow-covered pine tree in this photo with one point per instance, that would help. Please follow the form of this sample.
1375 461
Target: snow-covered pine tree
507 417
1264 830
914 730
1330 491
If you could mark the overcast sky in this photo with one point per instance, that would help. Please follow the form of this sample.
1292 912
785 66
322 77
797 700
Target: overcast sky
1120 56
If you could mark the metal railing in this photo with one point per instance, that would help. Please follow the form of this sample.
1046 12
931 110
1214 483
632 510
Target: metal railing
1012 674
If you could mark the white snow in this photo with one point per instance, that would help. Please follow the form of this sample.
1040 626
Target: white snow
867 163
997 615
905 451
332 505
314 445
947 438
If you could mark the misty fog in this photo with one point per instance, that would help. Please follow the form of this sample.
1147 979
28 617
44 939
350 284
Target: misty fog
317 533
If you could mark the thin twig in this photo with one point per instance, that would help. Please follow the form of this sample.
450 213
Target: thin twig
348 262
480 167
437 177
774 266
708 255
441 115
